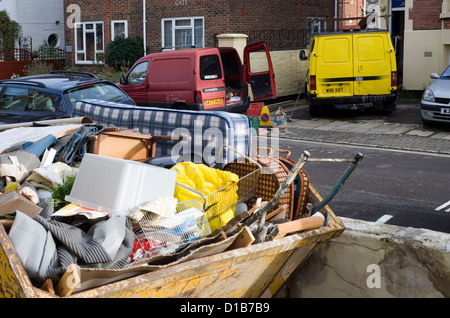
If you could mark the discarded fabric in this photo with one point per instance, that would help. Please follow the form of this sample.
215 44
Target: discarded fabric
74 146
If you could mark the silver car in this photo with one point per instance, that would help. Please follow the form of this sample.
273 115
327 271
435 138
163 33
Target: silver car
435 103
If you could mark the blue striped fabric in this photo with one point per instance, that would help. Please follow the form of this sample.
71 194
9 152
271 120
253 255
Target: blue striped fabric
209 130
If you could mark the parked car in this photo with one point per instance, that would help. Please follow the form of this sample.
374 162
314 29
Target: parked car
202 78
435 103
51 96
351 70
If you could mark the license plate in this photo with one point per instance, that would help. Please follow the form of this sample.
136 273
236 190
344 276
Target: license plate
215 101
334 90
445 111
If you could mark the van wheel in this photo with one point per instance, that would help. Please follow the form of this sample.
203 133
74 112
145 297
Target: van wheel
180 106
315 110
389 107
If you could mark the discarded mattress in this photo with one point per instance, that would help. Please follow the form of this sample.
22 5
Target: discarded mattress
208 130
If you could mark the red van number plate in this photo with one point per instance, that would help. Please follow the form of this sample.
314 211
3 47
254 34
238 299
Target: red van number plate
215 101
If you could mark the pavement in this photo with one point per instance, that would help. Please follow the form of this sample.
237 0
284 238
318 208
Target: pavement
367 132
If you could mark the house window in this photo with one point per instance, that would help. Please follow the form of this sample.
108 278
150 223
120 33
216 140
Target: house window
119 28
182 33
89 42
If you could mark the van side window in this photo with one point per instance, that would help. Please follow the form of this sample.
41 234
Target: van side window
138 74
210 67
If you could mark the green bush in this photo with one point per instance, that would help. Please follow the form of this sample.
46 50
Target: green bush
111 74
123 52
37 67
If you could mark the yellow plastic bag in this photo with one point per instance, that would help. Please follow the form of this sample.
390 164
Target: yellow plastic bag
208 181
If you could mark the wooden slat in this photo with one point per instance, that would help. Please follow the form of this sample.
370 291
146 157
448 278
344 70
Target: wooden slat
309 223
48 286
68 282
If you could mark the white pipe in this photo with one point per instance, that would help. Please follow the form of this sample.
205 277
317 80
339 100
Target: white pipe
144 25
335 14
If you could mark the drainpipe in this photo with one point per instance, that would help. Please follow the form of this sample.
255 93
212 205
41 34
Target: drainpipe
144 26
335 14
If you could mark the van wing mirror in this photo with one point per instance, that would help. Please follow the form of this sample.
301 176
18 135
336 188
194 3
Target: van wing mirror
123 80
302 55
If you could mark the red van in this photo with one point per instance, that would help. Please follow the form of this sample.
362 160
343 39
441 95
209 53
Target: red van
202 79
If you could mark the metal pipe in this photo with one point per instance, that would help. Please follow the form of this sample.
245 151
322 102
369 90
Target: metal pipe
339 184
144 25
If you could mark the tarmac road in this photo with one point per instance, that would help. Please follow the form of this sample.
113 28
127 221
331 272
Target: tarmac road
404 176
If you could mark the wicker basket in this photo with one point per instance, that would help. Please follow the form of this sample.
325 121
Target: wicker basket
273 173
301 185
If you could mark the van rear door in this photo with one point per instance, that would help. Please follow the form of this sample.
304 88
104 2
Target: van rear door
334 66
259 71
372 63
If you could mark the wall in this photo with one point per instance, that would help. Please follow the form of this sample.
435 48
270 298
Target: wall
418 64
237 16
37 18
426 42
289 71
230 16
371 260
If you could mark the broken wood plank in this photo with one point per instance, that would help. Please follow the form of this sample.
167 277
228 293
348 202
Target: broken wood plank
68 282
244 239
282 208
48 286
313 222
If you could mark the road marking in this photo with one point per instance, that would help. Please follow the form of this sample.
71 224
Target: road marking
443 206
384 218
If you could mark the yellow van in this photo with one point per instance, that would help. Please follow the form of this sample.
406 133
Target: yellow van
351 70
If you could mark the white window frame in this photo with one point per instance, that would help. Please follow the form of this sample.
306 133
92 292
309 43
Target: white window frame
186 27
113 36
83 51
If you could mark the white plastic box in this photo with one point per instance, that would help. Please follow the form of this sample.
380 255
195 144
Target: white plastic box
117 186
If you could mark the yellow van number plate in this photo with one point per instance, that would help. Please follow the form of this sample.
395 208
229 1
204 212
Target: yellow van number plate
215 101
335 90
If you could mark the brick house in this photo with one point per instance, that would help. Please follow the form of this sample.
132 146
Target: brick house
183 23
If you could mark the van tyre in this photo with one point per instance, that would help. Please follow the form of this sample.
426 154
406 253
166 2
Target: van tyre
389 107
180 106
315 110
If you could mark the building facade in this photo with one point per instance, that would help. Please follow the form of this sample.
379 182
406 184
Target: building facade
42 21
173 24
426 41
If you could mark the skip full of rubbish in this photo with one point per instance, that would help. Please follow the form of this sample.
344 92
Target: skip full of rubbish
119 213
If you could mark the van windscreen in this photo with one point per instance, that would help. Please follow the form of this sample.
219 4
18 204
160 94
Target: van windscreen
210 67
